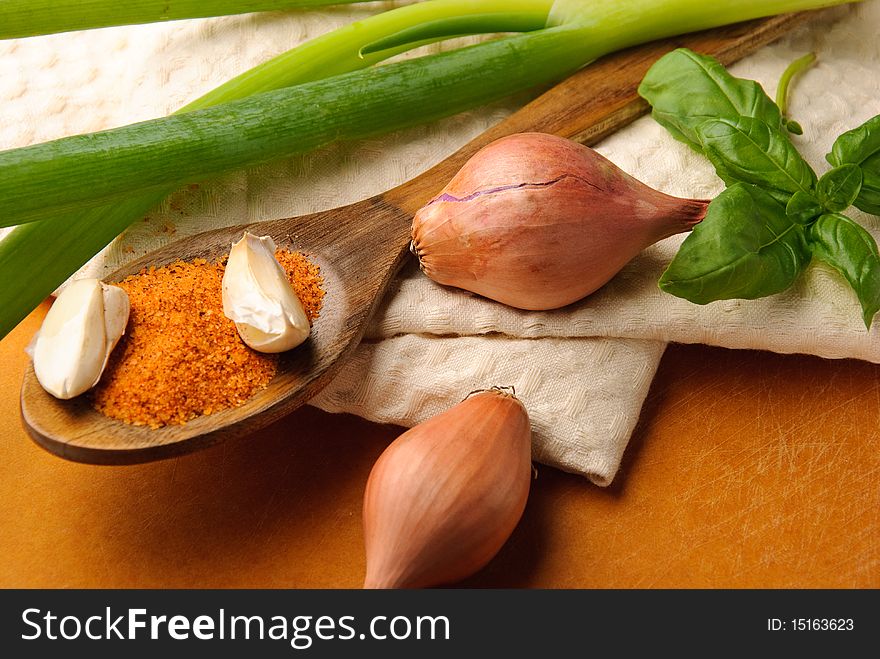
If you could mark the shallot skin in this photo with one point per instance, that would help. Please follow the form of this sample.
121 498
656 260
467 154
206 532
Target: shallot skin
537 222
445 496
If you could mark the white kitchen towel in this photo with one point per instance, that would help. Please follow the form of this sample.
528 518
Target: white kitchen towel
583 371
583 395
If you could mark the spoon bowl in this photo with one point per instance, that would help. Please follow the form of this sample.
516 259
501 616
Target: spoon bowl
359 248
356 266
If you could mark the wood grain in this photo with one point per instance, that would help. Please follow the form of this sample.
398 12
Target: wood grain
359 248
747 470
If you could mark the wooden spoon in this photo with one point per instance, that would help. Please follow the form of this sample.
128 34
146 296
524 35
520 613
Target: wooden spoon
359 248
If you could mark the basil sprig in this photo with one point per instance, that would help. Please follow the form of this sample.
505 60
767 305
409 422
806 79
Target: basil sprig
776 214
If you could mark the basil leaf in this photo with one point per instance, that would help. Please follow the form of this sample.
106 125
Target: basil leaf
685 89
856 145
803 207
839 187
852 251
746 247
861 146
869 196
752 152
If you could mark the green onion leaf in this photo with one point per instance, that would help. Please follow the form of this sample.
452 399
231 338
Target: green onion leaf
28 18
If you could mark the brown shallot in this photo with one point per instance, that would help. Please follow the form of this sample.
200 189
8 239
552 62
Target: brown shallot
536 221
445 496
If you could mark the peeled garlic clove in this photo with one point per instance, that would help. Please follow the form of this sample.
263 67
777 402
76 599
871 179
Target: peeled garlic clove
259 299
78 334
445 496
537 222
116 310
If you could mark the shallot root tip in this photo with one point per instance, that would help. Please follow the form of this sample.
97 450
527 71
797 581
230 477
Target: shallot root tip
508 390
415 252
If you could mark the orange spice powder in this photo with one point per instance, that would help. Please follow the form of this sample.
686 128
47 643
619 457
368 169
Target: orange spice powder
180 356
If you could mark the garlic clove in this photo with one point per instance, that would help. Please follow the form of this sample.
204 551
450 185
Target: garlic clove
444 497
77 336
116 311
259 299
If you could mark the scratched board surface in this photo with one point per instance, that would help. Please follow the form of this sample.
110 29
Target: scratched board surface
748 469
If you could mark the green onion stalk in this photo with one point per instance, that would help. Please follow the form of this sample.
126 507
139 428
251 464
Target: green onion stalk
322 91
29 18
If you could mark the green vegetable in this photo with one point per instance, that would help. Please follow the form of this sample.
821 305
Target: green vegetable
849 249
803 207
839 187
27 18
685 89
760 233
41 180
746 247
38 256
858 145
374 39
861 146
751 151
798 66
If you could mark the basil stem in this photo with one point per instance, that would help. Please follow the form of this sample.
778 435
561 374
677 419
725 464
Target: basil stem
798 66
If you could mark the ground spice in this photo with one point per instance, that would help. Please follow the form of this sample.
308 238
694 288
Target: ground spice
180 356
